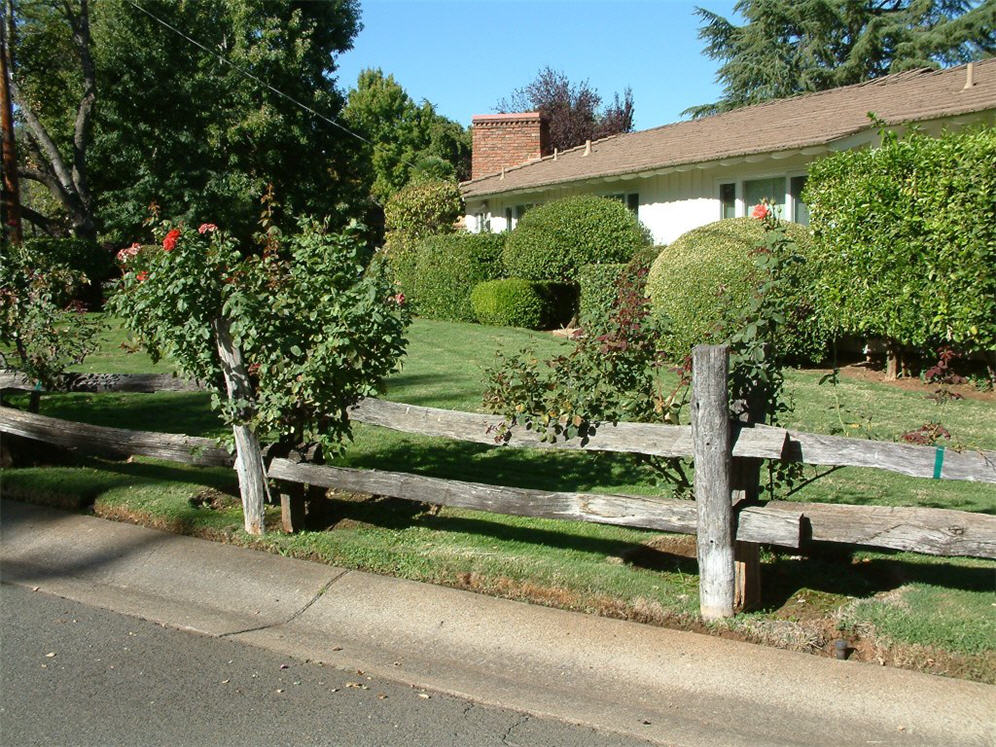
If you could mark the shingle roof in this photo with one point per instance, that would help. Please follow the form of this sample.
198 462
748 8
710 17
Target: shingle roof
785 124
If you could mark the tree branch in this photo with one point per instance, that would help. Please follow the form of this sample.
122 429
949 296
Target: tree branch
51 226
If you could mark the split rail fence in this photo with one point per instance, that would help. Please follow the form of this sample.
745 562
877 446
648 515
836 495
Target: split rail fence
729 522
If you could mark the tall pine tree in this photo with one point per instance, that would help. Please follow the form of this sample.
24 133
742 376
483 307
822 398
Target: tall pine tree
788 47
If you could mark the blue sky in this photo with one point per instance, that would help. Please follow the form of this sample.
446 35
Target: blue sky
465 55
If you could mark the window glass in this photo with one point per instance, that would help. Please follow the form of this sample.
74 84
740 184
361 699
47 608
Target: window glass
508 219
728 201
633 202
800 210
772 190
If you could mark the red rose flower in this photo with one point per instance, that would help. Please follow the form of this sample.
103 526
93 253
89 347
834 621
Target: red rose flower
169 243
760 212
140 277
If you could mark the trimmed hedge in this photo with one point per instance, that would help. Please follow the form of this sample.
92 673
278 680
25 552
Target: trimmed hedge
906 240
510 302
599 285
448 267
554 240
701 281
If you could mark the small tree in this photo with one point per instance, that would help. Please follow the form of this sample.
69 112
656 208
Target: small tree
286 341
906 241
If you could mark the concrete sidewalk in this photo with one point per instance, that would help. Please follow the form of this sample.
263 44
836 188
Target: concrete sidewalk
662 685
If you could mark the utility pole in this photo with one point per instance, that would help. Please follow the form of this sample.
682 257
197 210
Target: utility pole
11 194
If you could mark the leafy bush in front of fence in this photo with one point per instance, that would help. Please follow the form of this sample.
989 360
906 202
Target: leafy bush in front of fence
699 284
448 267
510 302
315 331
552 241
906 240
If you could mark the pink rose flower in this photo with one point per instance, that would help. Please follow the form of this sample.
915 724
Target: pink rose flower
169 243
760 212
125 254
206 227
400 299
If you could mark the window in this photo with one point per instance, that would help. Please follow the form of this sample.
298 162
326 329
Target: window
784 193
631 200
800 210
771 190
508 219
727 201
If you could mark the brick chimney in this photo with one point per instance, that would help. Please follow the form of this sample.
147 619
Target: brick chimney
505 140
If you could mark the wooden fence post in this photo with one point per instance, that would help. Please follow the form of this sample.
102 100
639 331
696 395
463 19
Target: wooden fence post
712 451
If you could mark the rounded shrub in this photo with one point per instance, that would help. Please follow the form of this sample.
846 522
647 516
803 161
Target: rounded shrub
424 207
509 302
699 284
447 268
554 240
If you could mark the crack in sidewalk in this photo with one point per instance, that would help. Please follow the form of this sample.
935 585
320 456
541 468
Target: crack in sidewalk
293 617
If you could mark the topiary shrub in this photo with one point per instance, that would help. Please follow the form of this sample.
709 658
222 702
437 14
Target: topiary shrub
79 255
554 240
599 285
448 267
699 283
509 302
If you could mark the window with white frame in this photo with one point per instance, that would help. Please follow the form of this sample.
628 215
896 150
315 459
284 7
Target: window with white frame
784 193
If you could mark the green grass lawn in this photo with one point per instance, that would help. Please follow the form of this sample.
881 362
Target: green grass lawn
935 614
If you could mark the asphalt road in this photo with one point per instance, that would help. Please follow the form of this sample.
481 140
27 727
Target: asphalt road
78 675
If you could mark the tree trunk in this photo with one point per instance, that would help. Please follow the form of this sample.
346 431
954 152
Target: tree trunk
891 360
249 457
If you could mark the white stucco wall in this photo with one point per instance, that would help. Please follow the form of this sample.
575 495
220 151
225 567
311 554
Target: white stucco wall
669 204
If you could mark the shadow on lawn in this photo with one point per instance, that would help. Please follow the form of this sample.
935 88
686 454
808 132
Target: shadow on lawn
523 468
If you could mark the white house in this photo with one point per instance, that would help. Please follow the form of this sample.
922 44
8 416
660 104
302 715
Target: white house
684 175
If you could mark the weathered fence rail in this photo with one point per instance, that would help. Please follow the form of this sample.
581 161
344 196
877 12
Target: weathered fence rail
716 442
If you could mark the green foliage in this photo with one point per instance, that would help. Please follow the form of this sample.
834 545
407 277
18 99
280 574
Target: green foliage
448 267
552 241
788 47
80 255
44 334
405 139
906 239
316 332
182 128
424 208
509 302
598 287
699 284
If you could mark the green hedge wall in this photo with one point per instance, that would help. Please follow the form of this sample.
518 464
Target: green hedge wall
448 267
599 285
906 239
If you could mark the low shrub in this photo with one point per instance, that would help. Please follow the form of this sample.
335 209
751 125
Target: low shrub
708 274
554 240
599 285
510 302
448 267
